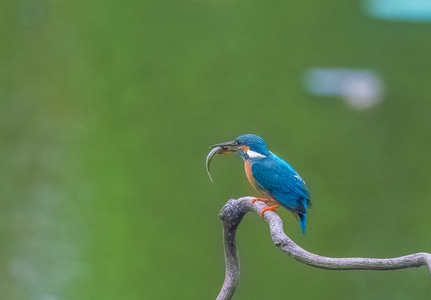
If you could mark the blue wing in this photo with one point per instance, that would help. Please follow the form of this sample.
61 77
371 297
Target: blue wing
280 180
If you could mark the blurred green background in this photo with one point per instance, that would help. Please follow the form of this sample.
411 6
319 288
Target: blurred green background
107 110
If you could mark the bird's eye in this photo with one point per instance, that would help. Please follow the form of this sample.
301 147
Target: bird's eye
237 143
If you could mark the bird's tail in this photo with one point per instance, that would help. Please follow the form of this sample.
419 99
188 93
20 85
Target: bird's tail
302 221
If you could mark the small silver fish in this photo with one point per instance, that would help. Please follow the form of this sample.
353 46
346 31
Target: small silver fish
213 152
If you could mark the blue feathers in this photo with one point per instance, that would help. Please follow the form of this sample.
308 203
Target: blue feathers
302 221
279 180
274 177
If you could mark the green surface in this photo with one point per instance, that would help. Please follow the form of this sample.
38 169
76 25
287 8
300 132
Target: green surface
107 109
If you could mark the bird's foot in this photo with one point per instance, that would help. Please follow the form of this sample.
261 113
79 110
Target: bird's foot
273 207
267 201
261 200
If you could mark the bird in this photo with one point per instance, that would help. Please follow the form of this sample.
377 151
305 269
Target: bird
274 178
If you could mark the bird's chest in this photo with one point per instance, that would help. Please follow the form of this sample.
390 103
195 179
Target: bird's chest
248 172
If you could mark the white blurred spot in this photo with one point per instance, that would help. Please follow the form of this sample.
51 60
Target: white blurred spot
360 88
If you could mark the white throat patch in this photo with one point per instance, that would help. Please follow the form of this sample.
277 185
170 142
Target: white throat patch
253 154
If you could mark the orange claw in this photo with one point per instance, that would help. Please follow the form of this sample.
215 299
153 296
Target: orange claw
273 207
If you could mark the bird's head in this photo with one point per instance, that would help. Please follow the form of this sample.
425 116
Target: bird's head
246 145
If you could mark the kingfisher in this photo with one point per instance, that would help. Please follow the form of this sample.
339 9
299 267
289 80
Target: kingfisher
273 177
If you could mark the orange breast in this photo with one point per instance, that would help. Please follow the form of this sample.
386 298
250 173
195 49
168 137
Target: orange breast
249 174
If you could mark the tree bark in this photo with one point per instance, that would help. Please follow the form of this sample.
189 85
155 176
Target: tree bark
235 209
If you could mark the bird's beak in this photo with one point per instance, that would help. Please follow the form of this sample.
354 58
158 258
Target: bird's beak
222 148
226 147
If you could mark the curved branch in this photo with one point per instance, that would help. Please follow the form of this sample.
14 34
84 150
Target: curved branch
235 209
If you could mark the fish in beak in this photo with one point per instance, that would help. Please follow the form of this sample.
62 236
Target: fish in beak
222 148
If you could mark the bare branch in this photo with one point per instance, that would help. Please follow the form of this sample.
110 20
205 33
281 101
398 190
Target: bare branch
235 209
